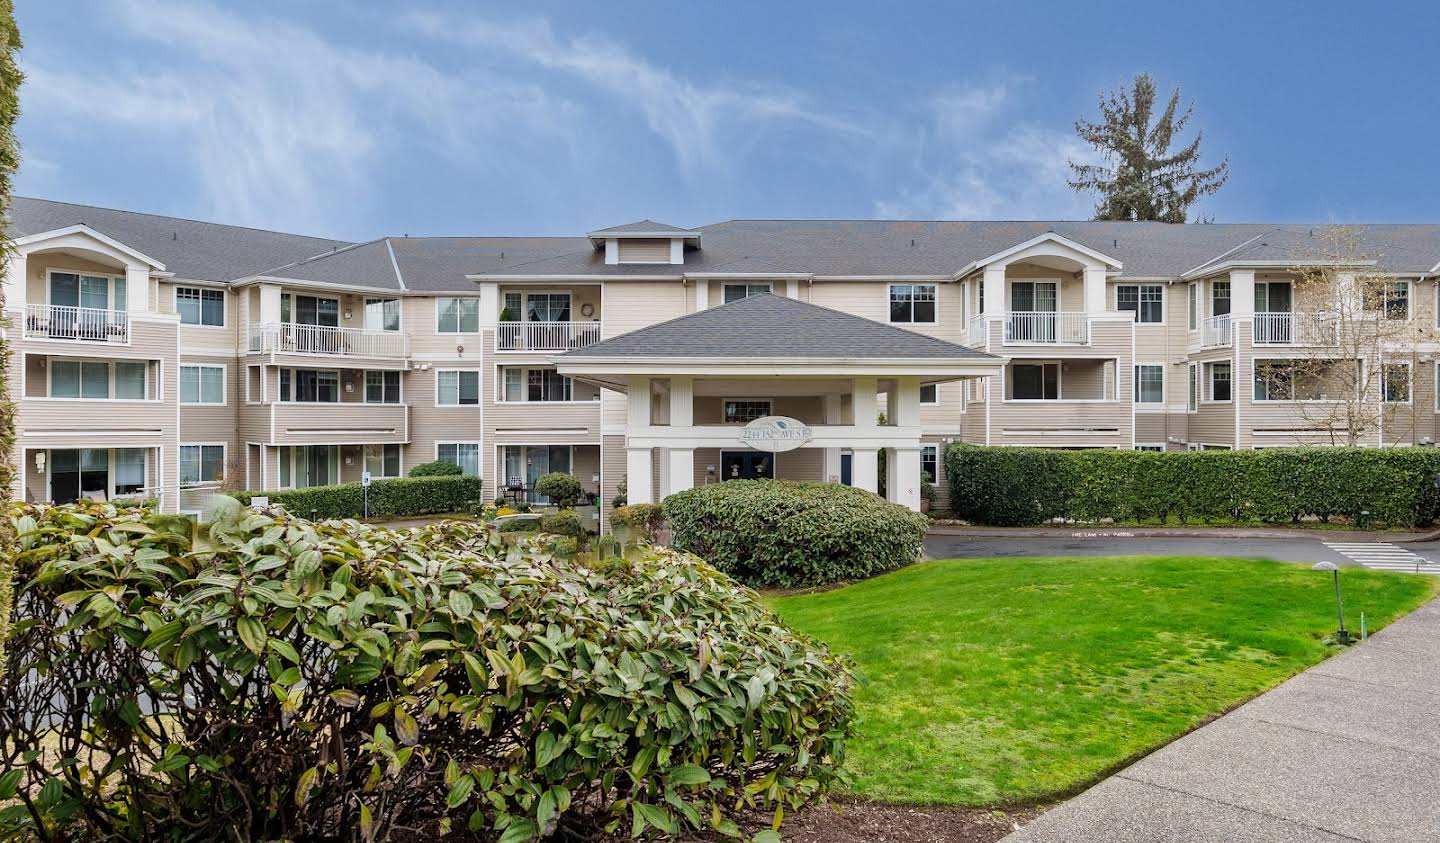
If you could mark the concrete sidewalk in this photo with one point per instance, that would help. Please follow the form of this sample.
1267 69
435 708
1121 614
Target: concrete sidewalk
1348 750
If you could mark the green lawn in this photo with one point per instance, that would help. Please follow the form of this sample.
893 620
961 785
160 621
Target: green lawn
1013 681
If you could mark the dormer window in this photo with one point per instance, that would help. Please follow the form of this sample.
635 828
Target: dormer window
645 242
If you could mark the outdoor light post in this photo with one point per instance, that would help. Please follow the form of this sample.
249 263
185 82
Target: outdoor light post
1341 635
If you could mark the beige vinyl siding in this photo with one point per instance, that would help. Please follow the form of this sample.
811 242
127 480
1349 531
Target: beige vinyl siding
871 299
430 424
631 305
612 472
636 250
1070 287
206 339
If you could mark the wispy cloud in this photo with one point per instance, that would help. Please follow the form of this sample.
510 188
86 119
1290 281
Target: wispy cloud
972 161
696 120
280 125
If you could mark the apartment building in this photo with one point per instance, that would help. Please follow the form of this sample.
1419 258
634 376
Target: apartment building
160 357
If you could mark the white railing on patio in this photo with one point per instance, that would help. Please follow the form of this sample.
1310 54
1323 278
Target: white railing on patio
1320 329
545 336
978 326
1047 327
63 322
1215 331
292 338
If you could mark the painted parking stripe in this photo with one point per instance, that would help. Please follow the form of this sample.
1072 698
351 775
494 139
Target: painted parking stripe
1382 556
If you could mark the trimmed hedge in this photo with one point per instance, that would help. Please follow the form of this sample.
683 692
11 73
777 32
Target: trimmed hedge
341 682
1028 486
788 533
399 496
438 468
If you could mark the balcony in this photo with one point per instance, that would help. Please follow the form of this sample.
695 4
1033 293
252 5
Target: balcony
1215 331
546 336
348 422
77 324
1047 327
1307 329
325 341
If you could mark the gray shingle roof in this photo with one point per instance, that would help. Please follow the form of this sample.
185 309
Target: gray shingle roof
644 226
202 251
768 326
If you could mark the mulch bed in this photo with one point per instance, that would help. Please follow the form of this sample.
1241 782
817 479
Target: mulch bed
865 822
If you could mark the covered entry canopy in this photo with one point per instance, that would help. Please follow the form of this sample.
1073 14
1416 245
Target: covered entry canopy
820 367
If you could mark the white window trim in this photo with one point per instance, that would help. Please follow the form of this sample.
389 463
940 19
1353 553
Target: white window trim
1409 384
1150 406
525 305
479 456
224 462
937 400
110 380
224 306
1207 385
382 446
224 384
1059 385
1149 447
479 317
500 389
1192 388
1010 286
1192 307
1164 303
768 285
110 493
365 389
249 398
293 449
114 279
1409 298
1255 365
479 390
400 312
339 388
893 284
768 399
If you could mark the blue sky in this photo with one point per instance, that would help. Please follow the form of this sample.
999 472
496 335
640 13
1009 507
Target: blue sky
355 120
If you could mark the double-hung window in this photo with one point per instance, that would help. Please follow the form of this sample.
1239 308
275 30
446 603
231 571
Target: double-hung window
1391 299
1146 301
201 464
912 303
930 461
202 384
457 387
382 387
1149 383
1219 381
199 306
1396 383
464 454
458 316
1219 298
736 292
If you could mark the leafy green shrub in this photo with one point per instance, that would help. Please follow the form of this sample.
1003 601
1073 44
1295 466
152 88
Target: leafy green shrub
565 522
563 490
1024 486
336 681
438 468
621 495
394 497
519 525
643 519
787 533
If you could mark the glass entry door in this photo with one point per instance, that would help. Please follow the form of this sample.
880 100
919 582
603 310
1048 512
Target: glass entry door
747 465
76 474
1032 309
80 305
311 323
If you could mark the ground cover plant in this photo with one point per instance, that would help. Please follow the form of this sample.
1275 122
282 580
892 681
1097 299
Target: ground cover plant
1016 681
271 678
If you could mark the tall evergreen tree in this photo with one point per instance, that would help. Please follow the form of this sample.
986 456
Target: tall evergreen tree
1141 178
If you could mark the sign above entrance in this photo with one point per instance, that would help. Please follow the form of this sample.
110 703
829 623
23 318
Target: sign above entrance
776 434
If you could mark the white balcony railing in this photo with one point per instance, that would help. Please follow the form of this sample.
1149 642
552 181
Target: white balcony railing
978 326
291 338
1047 327
88 324
1313 329
1215 331
545 336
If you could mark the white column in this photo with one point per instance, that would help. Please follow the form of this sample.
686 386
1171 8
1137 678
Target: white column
15 283
137 289
490 304
677 250
832 455
907 402
903 477
612 250
1349 294
681 474
702 295
1242 293
682 402
892 475
269 304
994 287
639 476
863 402
792 288
1095 300
865 469
638 401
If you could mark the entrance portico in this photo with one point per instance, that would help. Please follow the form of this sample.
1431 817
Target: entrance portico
799 383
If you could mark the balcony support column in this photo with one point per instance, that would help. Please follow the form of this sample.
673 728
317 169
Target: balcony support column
137 289
15 268
1242 294
269 304
863 401
902 476
680 474
832 455
865 469
1095 289
993 287
639 476
702 294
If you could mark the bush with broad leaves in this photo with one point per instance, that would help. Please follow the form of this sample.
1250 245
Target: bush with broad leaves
270 678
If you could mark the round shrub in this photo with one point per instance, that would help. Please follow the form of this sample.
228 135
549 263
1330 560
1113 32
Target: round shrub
563 490
786 533
438 468
344 682
566 522
645 519
519 525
